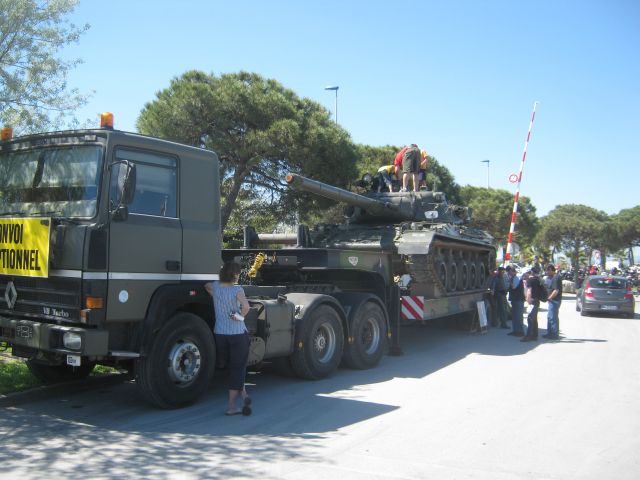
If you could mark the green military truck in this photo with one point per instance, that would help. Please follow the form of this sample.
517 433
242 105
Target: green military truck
107 239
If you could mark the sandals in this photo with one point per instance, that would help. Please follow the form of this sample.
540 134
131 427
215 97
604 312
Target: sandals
246 408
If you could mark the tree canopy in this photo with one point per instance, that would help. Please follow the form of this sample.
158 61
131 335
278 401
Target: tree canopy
34 95
573 228
627 227
492 209
259 129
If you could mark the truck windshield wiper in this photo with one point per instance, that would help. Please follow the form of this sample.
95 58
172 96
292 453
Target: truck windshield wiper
50 212
12 213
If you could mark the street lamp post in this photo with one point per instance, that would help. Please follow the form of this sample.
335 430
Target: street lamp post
487 162
335 89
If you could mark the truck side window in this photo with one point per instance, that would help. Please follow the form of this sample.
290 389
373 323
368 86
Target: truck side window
156 182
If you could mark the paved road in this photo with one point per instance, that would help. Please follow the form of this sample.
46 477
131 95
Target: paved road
455 406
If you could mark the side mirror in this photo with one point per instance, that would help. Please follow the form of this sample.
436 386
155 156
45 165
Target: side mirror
129 184
120 214
123 189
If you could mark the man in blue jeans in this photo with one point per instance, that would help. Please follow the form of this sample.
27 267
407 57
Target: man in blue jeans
553 307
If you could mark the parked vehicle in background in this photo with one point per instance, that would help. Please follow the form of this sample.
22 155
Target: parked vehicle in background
605 294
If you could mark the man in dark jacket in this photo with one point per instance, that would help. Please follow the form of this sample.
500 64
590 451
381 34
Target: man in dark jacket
533 289
516 297
499 292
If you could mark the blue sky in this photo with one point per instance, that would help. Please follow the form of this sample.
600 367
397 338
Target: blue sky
459 78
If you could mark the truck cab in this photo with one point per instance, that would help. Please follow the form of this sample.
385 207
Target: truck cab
106 240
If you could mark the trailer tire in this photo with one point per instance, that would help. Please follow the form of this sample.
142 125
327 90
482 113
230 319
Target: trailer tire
319 344
180 362
59 373
369 331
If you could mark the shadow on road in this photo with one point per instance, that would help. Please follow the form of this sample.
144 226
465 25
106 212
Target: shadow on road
111 432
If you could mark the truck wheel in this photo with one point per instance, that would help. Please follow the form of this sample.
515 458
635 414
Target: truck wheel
59 373
319 344
369 332
180 362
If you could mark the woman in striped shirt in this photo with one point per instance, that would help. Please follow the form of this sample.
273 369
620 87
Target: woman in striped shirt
232 340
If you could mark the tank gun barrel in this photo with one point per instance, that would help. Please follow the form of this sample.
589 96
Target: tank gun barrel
376 207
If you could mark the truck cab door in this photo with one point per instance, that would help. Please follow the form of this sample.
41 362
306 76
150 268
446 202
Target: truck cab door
145 245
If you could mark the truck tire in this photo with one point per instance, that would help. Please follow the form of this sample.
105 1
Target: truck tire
59 373
180 363
319 344
369 331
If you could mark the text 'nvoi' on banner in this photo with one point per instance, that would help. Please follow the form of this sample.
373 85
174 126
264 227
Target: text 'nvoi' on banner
24 246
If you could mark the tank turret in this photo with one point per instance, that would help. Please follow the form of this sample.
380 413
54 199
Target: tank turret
391 207
425 237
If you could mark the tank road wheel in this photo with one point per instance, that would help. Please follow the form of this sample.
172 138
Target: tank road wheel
60 373
441 270
482 275
369 330
464 275
473 276
453 277
319 344
180 363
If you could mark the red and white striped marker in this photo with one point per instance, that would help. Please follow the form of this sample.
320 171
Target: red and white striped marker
514 214
412 308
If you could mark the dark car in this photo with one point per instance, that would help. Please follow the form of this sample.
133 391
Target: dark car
605 294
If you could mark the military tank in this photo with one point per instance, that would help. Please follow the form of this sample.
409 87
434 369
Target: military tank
434 252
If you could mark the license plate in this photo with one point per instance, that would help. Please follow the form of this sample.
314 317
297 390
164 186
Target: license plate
73 360
609 307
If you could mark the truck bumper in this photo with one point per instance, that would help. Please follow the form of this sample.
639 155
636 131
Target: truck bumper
50 338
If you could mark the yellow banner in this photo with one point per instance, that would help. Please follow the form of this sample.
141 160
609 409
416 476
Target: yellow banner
24 246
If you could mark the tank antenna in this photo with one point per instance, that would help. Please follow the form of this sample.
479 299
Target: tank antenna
514 214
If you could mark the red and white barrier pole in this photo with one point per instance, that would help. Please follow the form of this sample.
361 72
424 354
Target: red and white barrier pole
514 214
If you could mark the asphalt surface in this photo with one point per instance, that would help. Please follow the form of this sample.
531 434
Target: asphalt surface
456 405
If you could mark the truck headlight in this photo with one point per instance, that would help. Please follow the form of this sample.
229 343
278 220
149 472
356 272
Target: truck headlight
72 341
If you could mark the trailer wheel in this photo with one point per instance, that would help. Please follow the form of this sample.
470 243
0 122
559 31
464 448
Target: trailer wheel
369 333
59 373
180 362
319 344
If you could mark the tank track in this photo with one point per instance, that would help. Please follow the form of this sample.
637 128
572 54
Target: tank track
453 267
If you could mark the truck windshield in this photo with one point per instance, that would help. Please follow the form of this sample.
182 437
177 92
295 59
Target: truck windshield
53 181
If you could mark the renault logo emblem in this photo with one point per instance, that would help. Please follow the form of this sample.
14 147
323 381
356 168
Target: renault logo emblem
10 295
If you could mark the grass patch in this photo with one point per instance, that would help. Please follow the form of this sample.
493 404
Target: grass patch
15 376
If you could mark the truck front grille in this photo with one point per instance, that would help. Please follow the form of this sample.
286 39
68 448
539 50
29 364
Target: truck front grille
53 298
